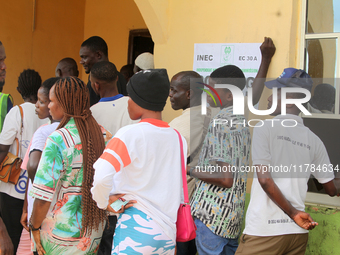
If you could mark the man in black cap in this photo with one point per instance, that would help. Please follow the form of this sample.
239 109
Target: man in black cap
143 162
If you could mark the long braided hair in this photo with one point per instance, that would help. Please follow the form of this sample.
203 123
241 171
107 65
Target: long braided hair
73 96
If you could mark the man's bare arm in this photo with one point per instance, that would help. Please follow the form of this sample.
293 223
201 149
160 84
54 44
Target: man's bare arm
267 51
303 219
6 245
222 178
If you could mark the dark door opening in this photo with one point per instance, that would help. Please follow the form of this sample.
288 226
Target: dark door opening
139 41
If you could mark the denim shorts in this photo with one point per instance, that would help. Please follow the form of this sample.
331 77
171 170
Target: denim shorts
209 243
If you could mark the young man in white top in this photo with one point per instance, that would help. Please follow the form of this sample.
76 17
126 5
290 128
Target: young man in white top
112 113
284 153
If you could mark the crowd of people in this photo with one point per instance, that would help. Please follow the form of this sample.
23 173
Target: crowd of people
87 148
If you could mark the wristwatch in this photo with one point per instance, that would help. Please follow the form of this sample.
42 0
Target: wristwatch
30 226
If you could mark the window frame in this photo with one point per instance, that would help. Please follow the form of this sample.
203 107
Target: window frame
312 197
302 56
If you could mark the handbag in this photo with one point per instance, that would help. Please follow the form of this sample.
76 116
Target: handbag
186 228
10 167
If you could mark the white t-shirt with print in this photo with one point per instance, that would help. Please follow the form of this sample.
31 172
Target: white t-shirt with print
11 130
289 147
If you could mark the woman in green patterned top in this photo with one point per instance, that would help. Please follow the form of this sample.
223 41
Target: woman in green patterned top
65 218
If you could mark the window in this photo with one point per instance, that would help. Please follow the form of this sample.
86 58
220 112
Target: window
321 44
320 59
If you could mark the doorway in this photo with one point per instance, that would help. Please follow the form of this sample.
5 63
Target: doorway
140 41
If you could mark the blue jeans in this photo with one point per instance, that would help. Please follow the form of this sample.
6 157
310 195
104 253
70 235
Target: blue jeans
209 243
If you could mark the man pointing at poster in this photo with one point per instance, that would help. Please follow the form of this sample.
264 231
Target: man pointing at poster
219 198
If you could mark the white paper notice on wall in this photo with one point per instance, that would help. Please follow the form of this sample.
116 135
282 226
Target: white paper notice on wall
210 56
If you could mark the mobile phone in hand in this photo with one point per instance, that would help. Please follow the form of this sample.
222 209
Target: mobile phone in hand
117 205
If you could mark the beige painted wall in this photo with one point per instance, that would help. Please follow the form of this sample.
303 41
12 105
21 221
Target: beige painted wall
175 27
112 20
58 33
181 24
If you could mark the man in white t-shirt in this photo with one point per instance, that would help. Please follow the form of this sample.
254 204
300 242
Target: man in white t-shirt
285 156
112 113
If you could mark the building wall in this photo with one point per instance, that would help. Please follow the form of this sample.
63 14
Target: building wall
177 25
112 20
58 33
61 27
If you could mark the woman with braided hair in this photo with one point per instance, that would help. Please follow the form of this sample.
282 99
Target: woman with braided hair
65 219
